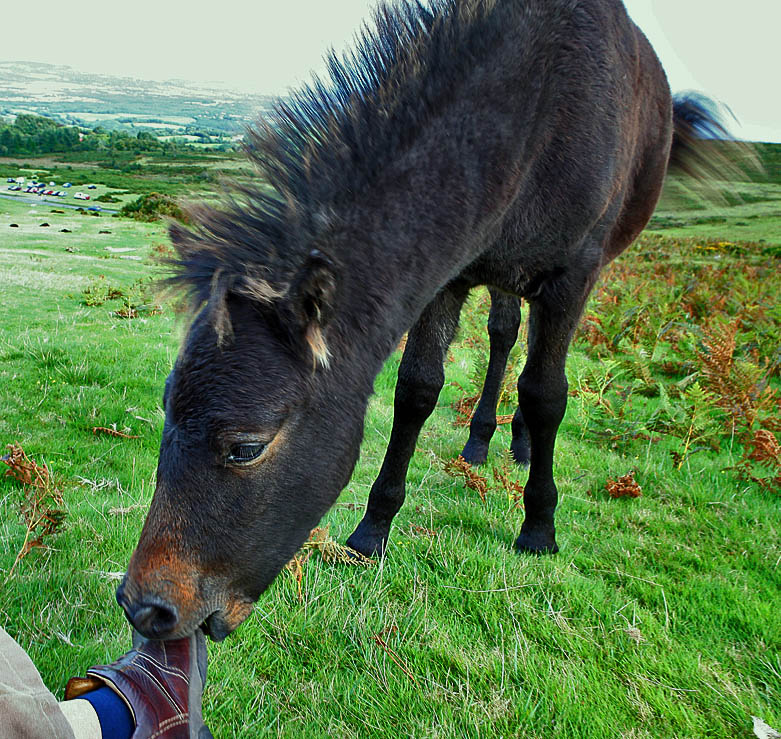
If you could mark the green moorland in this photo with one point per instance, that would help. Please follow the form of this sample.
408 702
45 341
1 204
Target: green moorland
658 618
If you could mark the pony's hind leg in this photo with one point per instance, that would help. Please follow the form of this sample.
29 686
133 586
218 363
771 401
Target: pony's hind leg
503 323
542 400
421 376
521 444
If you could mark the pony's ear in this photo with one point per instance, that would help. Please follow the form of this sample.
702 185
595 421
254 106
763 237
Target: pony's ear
314 296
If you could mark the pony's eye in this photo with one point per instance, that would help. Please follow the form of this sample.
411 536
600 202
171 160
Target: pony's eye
242 454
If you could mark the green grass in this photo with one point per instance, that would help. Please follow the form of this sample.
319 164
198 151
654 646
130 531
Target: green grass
659 617
184 173
749 212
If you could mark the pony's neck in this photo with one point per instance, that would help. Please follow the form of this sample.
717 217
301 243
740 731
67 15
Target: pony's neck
388 278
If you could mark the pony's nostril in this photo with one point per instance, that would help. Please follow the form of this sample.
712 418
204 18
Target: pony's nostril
154 619
120 595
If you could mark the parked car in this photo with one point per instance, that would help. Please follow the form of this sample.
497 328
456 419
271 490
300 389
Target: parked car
91 187
67 184
94 208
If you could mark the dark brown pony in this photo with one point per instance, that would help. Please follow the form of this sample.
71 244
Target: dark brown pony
518 144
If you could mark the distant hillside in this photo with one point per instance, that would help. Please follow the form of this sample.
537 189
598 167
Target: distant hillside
770 156
174 107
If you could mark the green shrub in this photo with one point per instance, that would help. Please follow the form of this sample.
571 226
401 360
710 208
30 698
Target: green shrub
152 207
99 291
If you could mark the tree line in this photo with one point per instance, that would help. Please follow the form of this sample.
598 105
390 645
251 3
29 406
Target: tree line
33 134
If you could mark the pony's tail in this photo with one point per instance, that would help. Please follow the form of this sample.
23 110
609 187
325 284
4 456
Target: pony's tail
703 147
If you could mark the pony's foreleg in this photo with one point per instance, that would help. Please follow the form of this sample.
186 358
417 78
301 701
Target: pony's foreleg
421 376
542 400
503 323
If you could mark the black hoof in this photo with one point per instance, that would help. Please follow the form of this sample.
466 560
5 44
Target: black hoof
537 542
369 539
521 445
521 454
475 453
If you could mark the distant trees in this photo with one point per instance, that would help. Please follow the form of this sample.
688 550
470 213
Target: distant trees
32 125
33 134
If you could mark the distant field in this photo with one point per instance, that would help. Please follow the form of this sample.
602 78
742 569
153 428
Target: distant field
196 173
85 99
174 137
136 118
751 212
659 617
70 198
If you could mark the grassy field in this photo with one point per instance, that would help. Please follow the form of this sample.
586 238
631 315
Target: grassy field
659 617
191 171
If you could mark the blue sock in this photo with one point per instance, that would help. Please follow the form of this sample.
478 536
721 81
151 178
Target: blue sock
115 718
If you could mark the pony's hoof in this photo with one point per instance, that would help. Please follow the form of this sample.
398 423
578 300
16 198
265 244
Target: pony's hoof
368 540
521 454
475 453
536 542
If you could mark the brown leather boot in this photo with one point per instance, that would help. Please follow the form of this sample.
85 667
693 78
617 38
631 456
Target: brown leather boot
160 681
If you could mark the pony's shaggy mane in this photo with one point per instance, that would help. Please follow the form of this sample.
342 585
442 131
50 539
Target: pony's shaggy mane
328 143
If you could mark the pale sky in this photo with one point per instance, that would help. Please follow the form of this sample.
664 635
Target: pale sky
728 50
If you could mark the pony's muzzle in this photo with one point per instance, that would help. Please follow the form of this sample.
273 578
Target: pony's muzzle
158 612
152 617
